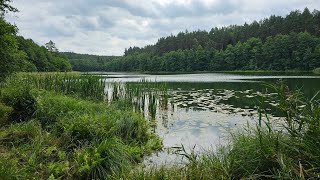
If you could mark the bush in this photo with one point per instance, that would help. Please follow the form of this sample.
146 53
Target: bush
17 147
22 102
86 120
316 71
103 159
5 111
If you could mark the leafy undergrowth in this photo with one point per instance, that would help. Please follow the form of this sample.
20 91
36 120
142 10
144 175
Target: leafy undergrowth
57 133
47 134
261 152
316 71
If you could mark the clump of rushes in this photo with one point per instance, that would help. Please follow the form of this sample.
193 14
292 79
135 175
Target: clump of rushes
65 132
145 96
83 86
290 151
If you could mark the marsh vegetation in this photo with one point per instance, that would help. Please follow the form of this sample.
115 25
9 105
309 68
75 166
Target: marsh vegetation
58 126
72 125
239 124
261 151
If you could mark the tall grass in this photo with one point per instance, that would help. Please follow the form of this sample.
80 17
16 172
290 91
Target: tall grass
57 133
83 86
53 130
145 96
70 138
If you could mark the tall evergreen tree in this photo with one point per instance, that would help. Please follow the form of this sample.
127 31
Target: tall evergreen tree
51 46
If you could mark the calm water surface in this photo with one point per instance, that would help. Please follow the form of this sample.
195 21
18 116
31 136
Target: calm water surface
206 107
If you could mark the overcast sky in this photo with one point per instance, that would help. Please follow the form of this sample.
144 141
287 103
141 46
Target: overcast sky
107 27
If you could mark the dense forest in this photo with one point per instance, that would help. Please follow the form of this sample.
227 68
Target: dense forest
19 54
86 62
275 43
295 51
39 58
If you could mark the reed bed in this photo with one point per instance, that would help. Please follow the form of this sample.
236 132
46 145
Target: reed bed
83 86
145 96
50 130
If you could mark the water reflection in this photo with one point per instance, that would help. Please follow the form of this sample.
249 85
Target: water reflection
205 77
202 108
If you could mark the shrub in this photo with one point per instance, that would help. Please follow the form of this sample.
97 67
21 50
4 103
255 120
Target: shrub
5 111
22 102
316 71
103 159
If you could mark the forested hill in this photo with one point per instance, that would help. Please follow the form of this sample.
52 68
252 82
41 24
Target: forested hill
38 58
275 43
87 62
220 38
19 54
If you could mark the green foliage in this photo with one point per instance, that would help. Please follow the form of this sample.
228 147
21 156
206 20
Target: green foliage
86 121
101 161
18 134
41 59
51 46
72 138
84 86
18 54
86 62
17 148
220 38
66 137
10 170
21 100
295 51
9 54
274 43
316 71
5 7
4 113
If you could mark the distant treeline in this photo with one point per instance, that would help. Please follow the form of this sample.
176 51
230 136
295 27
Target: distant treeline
87 62
274 43
296 51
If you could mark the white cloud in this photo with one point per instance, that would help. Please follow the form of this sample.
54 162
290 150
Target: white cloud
107 27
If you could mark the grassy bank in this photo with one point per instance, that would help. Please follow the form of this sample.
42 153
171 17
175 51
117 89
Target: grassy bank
57 126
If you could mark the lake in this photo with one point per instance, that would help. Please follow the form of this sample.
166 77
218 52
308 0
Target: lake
204 108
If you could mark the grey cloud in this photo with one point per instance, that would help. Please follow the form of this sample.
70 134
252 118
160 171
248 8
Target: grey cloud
197 8
105 22
109 26
52 31
85 7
